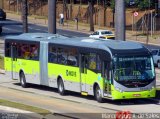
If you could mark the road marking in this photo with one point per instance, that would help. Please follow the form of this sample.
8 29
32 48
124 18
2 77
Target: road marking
37 29
9 29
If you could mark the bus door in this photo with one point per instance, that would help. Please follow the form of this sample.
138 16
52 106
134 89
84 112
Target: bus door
107 76
13 60
83 71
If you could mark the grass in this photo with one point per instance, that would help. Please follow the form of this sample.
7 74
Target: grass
24 107
1 62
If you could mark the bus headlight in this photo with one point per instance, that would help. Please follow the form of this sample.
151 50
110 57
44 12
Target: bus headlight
118 89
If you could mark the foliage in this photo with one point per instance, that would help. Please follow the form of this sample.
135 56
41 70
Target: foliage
112 5
141 4
144 4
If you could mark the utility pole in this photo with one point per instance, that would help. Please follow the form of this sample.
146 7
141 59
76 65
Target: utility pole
24 16
120 20
91 4
52 16
1 4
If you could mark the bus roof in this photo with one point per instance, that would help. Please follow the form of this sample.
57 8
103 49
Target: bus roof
113 46
35 36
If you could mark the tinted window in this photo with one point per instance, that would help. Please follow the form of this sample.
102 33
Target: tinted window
62 55
66 56
106 32
52 56
8 49
23 50
95 33
72 58
94 62
28 51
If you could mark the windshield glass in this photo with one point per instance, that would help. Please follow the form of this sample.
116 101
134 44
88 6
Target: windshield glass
133 68
106 32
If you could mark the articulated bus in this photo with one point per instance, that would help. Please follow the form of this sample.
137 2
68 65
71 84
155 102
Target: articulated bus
105 69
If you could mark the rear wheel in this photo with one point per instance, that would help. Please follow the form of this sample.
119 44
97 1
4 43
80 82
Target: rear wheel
97 94
23 80
61 88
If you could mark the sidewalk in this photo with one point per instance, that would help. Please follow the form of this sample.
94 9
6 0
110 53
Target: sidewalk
14 113
84 28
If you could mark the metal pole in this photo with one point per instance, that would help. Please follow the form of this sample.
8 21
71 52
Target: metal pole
120 19
52 16
91 4
24 16
154 23
1 4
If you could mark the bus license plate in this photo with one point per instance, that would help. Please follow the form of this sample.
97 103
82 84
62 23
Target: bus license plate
136 95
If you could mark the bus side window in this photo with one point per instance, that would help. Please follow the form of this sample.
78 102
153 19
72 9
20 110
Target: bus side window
34 52
72 58
52 56
8 49
92 61
62 55
23 51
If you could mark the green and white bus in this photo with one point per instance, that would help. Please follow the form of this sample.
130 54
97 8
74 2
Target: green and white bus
106 69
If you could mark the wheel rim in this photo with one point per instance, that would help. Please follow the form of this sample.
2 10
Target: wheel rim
98 93
22 80
60 87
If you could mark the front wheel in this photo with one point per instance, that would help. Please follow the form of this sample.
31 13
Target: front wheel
98 95
61 88
23 80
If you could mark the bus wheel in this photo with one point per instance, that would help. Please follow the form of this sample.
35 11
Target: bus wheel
23 80
98 95
61 89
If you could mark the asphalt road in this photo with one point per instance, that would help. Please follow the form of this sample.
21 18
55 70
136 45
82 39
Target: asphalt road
16 29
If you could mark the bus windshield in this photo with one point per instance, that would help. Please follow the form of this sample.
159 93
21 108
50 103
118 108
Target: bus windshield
133 68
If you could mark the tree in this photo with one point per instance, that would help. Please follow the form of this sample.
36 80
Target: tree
112 6
144 4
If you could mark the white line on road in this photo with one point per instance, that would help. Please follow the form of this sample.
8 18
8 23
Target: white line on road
9 29
29 27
